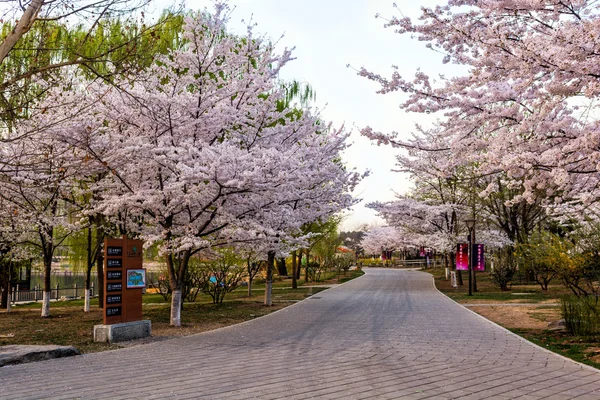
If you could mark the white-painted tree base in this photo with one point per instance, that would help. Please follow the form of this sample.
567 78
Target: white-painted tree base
176 308
46 304
86 304
268 291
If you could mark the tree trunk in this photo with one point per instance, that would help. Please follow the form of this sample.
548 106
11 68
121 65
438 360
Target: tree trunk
269 280
294 272
177 271
299 264
8 295
176 302
100 272
306 267
47 249
88 272
86 304
100 235
46 303
281 268
5 292
23 25
249 269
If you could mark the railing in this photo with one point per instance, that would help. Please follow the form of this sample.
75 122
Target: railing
422 263
18 295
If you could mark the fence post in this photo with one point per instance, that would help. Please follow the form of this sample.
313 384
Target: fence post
92 289
57 291
75 288
17 297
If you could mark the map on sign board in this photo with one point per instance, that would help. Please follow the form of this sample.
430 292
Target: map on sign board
136 278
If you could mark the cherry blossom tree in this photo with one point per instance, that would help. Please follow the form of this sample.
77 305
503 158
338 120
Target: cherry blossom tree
37 187
525 108
382 238
200 152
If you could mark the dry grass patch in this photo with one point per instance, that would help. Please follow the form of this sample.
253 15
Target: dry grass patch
520 317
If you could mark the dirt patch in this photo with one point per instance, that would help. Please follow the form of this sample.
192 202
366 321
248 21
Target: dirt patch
163 330
520 317
593 353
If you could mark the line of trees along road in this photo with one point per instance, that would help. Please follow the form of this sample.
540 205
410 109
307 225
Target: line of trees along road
515 143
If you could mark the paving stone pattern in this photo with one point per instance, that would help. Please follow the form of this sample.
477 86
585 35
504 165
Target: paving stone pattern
386 335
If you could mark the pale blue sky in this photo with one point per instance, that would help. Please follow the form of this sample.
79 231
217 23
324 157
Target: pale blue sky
328 35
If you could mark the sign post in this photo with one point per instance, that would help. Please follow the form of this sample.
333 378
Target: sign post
125 280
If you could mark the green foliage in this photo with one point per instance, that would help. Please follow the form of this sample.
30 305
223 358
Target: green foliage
544 256
583 278
581 315
111 47
315 271
220 275
504 268
344 262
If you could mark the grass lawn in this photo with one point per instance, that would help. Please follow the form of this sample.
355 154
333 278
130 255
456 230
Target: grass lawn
68 325
584 350
530 319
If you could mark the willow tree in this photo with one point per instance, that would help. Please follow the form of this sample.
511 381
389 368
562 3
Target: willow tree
101 39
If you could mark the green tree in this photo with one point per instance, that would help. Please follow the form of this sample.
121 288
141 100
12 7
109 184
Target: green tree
107 47
545 256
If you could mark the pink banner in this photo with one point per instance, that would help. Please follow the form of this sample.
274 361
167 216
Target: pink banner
479 258
462 257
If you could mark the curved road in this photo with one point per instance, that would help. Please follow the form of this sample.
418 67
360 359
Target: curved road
386 335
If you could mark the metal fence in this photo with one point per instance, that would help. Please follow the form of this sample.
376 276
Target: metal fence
58 293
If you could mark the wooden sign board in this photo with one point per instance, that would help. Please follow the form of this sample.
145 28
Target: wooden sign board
122 266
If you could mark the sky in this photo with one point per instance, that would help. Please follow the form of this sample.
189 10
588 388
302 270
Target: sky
329 35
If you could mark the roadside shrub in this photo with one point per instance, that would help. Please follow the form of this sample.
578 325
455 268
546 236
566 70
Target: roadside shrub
192 282
504 269
543 257
502 276
581 315
163 284
221 274
344 262
315 271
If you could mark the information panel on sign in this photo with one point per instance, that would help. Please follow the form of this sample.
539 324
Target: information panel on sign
113 299
114 263
114 287
114 251
113 311
114 275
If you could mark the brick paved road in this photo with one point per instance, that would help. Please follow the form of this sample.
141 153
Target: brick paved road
387 335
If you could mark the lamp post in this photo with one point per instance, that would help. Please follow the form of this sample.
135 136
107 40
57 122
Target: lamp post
471 225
